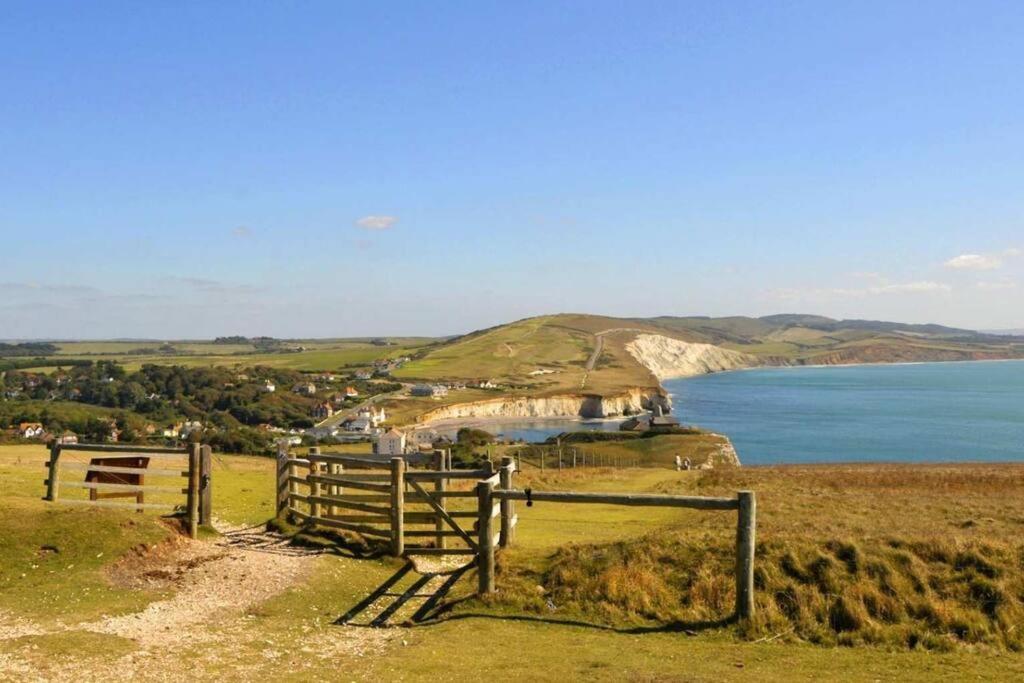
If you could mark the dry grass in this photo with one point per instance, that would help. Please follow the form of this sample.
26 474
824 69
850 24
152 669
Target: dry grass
897 556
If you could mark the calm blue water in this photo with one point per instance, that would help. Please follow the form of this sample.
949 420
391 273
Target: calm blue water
535 430
924 412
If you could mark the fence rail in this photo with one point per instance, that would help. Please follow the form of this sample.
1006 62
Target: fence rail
384 513
120 471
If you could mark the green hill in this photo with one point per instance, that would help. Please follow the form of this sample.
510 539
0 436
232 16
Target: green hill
549 354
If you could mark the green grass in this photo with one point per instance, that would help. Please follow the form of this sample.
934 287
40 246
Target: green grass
590 563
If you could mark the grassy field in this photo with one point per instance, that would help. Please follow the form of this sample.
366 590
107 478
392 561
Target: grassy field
319 355
592 592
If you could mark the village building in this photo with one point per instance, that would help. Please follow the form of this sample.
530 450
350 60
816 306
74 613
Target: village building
306 388
67 438
322 411
359 425
391 442
376 416
432 390
350 392
364 374
269 387
424 439
30 430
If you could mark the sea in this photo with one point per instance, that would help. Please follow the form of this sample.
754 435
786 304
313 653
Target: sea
913 412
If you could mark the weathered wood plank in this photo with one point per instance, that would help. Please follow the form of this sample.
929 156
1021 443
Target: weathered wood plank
115 469
397 506
635 499
443 514
113 504
102 486
364 519
432 475
337 502
148 451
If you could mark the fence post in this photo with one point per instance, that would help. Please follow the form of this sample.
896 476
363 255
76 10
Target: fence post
485 550
507 506
283 469
574 458
440 485
193 489
338 470
206 484
314 486
745 527
53 483
397 506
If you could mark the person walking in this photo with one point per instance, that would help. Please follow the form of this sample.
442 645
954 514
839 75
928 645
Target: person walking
679 463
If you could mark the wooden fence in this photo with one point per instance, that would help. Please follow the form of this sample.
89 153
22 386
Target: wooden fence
416 511
120 471
387 491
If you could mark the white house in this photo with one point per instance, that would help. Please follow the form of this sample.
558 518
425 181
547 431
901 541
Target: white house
307 388
391 442
30 430
364 374
269 387
375 416
424 438
359 424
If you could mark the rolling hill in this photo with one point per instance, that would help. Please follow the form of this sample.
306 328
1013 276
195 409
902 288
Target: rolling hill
589 355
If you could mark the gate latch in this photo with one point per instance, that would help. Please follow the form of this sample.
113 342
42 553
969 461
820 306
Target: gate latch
529 497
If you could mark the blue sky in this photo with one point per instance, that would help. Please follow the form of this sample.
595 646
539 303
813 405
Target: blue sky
185 170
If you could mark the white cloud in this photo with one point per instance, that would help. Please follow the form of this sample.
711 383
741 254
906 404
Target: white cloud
974 262
377 222
241 231
1012 252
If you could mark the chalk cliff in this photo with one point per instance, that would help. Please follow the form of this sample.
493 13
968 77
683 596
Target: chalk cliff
668 358
565 405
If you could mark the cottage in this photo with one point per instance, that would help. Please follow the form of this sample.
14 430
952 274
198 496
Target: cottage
306 388
359 425
322 411
30 430
391 442
67 438
364 374
432 390
375 416
350 392
269 387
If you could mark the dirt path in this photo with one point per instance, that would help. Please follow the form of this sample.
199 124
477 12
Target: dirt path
214 584
240 570
599 349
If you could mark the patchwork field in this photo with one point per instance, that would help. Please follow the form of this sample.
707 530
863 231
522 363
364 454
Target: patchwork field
591 592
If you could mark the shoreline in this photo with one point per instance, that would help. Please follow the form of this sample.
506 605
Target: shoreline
798 366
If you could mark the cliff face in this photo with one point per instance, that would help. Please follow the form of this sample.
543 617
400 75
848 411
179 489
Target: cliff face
566 405
668 358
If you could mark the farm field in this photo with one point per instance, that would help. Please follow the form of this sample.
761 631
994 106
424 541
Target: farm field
592 592
318 355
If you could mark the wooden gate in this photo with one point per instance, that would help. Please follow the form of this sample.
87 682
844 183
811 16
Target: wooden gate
427 511
124 471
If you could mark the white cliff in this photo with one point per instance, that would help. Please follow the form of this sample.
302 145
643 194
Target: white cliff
564 405
668 358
